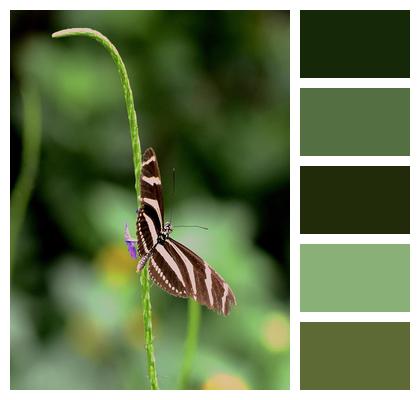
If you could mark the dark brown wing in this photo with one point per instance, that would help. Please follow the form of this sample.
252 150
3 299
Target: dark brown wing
150 215
200 281
166 272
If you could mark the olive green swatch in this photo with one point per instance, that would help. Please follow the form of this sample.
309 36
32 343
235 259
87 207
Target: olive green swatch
353 200
355 44
355 355
354 277
355 122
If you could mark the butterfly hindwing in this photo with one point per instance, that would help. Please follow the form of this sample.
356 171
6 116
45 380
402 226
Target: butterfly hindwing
164 273
207 287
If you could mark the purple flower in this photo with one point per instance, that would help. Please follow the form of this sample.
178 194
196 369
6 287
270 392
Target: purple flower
130 242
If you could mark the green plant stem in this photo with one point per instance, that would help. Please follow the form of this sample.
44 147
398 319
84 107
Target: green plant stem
135 144
31 143
194 317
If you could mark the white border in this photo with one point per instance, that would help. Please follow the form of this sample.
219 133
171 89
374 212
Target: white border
414 199
354 161
354 239
326 83
296 161
354 316
211 5
294 199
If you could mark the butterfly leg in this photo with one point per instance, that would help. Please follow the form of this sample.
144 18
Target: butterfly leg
143 261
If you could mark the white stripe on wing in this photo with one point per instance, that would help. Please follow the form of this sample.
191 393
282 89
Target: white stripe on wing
225 293
208 283
152 180
189 266
155 204
153 158
170 261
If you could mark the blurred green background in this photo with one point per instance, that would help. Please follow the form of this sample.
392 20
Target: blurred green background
212 97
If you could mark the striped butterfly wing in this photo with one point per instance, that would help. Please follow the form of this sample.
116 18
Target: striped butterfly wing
150 215
173 267
195 278
166 271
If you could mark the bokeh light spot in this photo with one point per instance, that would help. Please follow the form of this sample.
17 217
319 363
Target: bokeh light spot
115 264
86 336
276 335
223 381
134 330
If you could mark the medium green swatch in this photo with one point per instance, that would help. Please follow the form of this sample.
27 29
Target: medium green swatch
347 200
355 122
355 277
355 44
355 355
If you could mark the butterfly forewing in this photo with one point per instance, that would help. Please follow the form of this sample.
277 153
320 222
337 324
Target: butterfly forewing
150 215
151 185
173 267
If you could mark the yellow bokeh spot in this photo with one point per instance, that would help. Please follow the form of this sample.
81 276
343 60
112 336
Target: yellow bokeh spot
115 264
225 382
134 330
276 332
86 336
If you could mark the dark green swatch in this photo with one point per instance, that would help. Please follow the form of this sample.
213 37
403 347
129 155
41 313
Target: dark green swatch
355 355
355 122
355 44
354 200
355 277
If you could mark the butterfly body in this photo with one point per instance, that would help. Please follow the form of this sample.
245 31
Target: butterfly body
164 234
161 238
172 266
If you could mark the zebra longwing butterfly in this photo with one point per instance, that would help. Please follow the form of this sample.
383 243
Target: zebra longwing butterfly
172 266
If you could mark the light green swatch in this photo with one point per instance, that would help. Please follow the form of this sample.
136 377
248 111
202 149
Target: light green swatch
355 277
355 122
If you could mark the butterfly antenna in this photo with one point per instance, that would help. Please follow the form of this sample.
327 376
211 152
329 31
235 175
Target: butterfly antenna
191 226
172 208
173 194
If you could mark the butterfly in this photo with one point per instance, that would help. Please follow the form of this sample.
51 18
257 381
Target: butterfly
172 266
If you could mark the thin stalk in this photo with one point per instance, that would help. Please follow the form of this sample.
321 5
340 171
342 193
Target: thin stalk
135 144
194 317
31 143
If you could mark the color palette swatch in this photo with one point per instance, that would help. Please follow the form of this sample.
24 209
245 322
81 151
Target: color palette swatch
344 130
339 200
355 278
355 44
355 122
355 355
